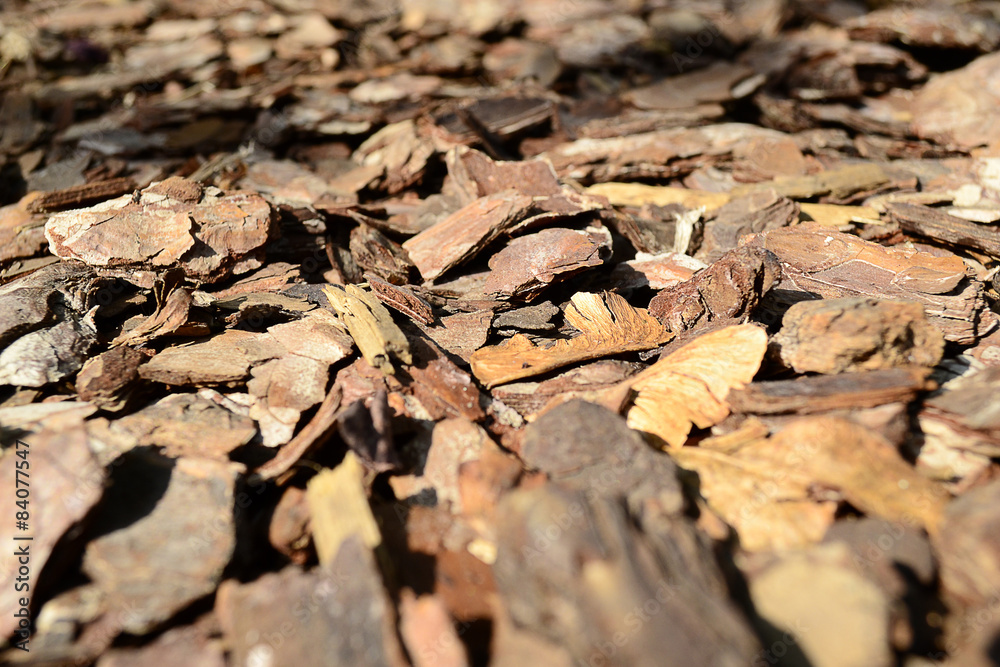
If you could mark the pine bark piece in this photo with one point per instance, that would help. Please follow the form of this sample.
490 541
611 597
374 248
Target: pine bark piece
572 567
961 107
402 299
429 632
967 407
400 154
22 234
105 379
224 358
81 195
838 335
866 468
66 481
172 555
608 325
660 154
285 388
168 318
532 262
335 614
467 231
727 291
338 505
319 427
940 227
529 398
968 549
933 27
656 271
817 603
371 326
823 393
454 442
441 387
208 233
374 252
749 214
835 265
461 334
47 355
187 425
689 387
589 448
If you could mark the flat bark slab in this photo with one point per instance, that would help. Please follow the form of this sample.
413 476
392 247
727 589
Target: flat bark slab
207 233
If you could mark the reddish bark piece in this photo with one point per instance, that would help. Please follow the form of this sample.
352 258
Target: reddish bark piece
656 271
174 551
834 265
22 234
104 379
461 235
531 263
727 291
832 392
209 234
428 632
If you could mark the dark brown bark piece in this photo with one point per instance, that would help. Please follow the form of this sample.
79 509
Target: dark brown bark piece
105 379
531 263
728 290
337 614
374 252
529 318
402 298
938 226
749 214
832 392
837 335
81 195
176 519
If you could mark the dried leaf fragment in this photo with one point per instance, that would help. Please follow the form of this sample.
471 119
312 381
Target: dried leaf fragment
608 325
371 326
689 387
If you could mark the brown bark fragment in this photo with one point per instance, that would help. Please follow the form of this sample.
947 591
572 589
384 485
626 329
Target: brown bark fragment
727 290
837 335
209 234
